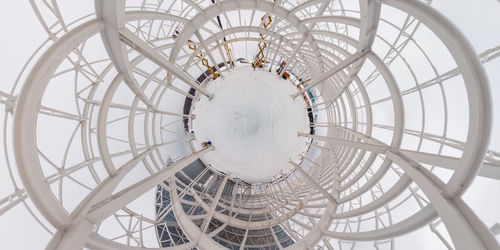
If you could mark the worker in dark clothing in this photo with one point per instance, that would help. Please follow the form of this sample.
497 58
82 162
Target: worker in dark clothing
253 65
282 66
206 144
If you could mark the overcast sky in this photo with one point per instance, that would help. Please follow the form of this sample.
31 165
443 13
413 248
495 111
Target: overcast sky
22 34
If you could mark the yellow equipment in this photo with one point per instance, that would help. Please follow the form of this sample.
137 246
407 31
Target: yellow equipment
228 53
262 44
204 61
303 82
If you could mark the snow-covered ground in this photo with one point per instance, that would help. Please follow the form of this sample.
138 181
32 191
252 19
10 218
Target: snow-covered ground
253 123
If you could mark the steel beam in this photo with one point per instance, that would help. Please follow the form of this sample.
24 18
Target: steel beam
107 207
202 240
215 201
142 47
339 67
98 205
314 183
25 125
464 234
476 84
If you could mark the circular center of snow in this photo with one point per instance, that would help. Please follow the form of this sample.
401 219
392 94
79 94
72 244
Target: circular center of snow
252 122
246 122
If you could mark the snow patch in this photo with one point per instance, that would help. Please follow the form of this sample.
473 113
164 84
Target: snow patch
253 123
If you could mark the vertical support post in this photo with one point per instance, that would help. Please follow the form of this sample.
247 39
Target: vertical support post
222 54
276 53
215 201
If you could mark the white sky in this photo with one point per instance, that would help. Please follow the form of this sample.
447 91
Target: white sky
22 34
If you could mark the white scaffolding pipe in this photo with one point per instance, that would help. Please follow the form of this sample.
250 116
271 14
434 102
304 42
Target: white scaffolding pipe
314 183
215 201
142 47
339 67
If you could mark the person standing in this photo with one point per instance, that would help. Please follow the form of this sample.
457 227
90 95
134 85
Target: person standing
253 64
